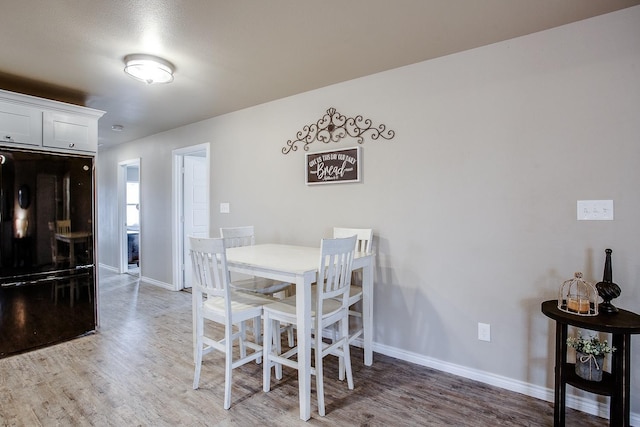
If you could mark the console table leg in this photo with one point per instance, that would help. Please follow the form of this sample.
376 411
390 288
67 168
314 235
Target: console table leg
560 385
620 399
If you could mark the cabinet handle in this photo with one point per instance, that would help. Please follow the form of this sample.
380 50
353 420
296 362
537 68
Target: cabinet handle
71 145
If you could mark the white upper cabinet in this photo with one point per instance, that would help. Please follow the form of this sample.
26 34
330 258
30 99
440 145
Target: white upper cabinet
20 125
47 125
68 131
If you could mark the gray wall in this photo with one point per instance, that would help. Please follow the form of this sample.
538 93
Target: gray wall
473 202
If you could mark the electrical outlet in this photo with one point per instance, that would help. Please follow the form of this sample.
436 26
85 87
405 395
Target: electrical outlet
225 208
484 332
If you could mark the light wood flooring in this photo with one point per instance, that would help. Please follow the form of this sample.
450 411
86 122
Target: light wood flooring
137 370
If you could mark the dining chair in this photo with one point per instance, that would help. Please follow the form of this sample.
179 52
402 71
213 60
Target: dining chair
329 305
58 259
245 236
364 240
214 300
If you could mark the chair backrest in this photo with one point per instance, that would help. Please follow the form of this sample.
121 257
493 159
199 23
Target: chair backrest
364 237
238 236
63 226
209 261
336 264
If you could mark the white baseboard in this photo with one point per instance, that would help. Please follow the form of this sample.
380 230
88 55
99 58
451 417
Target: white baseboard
589 406
108 267
164 285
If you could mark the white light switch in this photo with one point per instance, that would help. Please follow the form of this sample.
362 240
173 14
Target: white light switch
595 210
224 208
484 332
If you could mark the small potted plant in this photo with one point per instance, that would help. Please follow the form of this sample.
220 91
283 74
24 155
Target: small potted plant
590 352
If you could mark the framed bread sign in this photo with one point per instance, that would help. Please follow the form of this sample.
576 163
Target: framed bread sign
333 166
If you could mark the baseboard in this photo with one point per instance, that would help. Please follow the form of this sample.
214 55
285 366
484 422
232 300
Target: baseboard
589 406
164 285
108 267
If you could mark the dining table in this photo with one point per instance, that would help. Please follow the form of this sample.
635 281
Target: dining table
299 265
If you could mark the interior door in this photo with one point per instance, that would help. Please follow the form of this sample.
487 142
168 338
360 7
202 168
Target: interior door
196 207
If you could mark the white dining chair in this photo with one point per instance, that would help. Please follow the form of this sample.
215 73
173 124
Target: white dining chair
329 306
245 236
364 240
214 300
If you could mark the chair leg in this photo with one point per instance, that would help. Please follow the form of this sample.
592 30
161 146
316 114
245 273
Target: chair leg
278 348
228 364
197 352
335 329
290 337
266 353
243 337
346 353
319 373
198 364
257 334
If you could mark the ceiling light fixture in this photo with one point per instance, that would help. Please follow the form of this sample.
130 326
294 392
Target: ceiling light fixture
148 68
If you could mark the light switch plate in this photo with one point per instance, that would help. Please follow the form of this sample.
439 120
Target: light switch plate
595 210
484 332
225 208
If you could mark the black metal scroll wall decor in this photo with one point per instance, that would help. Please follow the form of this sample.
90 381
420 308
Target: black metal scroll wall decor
333 126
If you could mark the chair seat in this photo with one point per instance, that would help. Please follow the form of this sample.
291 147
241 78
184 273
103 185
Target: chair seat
287 306
240 301
260 285
355 293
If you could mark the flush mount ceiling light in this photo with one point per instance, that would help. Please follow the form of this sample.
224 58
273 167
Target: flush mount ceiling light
148 68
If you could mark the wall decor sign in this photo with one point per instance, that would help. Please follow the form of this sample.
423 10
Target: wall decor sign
333 166
333 126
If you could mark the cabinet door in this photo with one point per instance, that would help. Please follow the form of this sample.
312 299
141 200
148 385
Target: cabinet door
21 125
60 130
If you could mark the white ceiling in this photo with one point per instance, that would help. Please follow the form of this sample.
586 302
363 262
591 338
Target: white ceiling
232 54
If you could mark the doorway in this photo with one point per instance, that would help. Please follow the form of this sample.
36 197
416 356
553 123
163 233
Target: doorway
191 206
129 224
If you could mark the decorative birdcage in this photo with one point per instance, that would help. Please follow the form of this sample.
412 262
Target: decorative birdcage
577 296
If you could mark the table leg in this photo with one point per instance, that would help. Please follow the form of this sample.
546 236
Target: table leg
560 385
620 401
303 302
367 312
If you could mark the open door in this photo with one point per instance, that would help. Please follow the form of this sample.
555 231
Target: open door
191 204
129 184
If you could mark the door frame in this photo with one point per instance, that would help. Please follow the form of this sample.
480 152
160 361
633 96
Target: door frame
123 263
177 214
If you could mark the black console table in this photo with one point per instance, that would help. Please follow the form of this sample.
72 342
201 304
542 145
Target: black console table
615 384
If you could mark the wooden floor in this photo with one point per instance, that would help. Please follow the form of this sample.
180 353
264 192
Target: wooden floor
138 370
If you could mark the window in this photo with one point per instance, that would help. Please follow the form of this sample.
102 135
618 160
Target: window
133 204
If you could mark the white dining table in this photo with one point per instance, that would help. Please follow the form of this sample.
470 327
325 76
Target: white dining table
299 265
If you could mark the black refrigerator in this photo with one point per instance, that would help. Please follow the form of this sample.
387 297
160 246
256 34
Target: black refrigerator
47 270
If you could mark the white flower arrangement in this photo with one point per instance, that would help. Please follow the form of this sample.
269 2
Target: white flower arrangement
591 345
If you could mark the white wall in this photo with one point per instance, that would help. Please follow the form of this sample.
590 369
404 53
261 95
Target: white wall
473 202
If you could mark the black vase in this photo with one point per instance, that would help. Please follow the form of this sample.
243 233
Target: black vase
607 289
